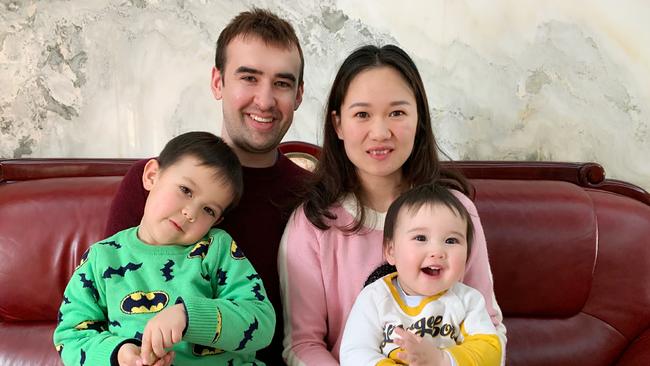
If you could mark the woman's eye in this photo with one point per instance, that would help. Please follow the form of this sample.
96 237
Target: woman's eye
185 191
420 238
209 211
396 113
362 115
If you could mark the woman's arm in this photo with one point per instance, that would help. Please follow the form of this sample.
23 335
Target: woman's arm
303 294
478 273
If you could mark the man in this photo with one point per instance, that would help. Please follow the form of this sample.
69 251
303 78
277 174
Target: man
258 76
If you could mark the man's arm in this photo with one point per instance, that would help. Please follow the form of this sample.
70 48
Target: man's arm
128 203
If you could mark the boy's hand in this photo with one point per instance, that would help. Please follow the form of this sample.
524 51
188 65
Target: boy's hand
418 351
129 355
162 331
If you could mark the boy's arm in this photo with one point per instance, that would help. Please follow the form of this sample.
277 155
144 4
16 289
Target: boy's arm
481 344
363 333
240 318
127 206
81 334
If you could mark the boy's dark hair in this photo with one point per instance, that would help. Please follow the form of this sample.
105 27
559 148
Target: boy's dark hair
213 152
412 200
336 176
263 24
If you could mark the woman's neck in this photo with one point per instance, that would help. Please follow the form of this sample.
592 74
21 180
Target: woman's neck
378 193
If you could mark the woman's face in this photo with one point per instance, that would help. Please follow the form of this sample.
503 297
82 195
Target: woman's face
377 123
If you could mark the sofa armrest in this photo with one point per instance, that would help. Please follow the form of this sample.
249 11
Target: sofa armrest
638 353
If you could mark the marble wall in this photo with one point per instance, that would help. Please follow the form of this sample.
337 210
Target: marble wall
507 79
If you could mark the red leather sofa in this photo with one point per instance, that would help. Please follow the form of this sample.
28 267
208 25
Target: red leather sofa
570 254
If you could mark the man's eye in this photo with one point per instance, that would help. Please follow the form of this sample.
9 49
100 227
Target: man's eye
185 191
420 238
209 211
283 84
249 78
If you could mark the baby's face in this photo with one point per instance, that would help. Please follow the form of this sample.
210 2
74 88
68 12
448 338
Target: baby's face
429 249
185 200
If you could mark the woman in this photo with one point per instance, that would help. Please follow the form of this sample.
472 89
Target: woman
378 142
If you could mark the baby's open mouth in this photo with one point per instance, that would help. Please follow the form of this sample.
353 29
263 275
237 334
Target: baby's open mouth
431 271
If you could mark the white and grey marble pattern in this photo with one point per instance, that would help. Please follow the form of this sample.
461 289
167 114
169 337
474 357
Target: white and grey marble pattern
517 80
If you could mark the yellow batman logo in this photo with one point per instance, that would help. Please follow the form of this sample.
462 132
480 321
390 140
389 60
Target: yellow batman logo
200 249
235 252
144 302
199 350
217 332
96 325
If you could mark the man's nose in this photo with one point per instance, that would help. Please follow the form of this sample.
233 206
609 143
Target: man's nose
264 97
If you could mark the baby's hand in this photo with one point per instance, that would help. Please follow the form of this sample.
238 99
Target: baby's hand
162 331
418 352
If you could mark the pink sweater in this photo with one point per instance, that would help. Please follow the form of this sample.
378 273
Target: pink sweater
322 272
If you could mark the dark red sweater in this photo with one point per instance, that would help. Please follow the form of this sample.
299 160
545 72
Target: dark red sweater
256 224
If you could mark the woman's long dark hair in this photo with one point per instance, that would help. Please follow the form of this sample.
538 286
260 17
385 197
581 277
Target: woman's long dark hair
335 175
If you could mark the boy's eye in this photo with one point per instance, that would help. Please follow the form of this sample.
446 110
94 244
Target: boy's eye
185 191
209 211
420 238
452 241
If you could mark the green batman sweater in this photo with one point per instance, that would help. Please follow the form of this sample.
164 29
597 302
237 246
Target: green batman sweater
122 282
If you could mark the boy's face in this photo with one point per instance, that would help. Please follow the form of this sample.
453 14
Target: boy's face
429 249
260 91
185 200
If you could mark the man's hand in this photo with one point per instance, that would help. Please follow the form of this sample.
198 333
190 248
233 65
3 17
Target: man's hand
418 351
162 331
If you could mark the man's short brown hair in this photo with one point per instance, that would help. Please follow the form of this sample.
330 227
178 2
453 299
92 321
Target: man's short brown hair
265 25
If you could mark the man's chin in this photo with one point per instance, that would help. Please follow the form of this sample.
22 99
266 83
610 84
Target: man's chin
260 148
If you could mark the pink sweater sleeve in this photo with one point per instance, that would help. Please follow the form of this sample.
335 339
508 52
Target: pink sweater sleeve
477 272
303 294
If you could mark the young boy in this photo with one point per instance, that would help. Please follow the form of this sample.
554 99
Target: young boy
422 314
174 280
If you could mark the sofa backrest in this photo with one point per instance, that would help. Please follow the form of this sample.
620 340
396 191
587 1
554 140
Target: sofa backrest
569 249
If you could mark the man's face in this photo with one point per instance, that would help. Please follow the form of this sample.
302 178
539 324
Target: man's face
260 91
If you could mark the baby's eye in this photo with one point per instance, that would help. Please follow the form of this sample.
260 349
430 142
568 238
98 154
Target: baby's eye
186 191
420 238
209 211
452 241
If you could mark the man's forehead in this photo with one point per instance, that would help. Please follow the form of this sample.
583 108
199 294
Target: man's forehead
253 52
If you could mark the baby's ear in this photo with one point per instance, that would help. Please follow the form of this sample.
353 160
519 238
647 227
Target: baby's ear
150 174
389 253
